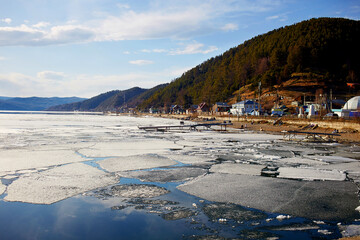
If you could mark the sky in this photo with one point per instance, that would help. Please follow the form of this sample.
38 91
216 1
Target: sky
84 48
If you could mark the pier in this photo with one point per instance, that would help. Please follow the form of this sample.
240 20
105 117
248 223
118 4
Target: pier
311 136
182 126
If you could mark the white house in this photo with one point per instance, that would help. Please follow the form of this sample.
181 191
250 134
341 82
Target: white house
243 107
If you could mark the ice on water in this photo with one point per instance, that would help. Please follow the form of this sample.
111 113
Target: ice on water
38 149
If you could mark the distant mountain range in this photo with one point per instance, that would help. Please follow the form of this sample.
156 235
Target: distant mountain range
34 103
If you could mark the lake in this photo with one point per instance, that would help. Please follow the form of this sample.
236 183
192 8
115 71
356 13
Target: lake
82 176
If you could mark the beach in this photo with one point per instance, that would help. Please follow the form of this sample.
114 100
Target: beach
78 171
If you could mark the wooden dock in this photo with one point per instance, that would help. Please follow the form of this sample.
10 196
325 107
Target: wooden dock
310 136
190 127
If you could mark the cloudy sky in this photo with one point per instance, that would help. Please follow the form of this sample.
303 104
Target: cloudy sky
87 47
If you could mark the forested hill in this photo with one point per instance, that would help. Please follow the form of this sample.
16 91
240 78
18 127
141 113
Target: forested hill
111 101
328 48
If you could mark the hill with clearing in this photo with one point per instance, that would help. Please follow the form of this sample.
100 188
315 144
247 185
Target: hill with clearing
312 57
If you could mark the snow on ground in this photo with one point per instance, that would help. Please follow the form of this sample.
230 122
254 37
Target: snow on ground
311 174
58 183
136 162
231 168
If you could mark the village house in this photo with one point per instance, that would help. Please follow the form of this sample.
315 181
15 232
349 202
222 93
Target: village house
243 107
203 108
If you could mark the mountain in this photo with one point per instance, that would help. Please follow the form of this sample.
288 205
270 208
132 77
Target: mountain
34 103
110 101
323 51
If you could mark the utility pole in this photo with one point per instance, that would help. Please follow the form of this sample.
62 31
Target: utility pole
259 97
330 100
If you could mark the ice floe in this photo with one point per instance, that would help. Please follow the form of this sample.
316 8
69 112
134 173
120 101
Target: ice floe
311 174
58 183
135 162
137 191
333 159
22 159
166 175
128 148
237 168
326 200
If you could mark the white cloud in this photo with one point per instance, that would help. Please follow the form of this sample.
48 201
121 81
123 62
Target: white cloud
41 25
272 17
50 75
154 50
141 62
2 58
162 19
6 20
122 6
230 27
194 48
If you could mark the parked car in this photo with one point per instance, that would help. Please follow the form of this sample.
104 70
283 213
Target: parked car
331 116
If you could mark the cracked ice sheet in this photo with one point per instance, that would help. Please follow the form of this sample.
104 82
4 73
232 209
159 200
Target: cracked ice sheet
59 183
21 159
231 168
311 174
137 162
120 149
325 200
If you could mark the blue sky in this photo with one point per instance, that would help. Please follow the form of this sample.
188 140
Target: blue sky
87 47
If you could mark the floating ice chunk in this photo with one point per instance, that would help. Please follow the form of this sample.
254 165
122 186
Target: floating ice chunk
296 198
137 162
282 217
300 161
311 174
138 191
190 159
333 159
20 159
350 230
231 168
169 175
324 231
57 184
127 148
2 188
358 208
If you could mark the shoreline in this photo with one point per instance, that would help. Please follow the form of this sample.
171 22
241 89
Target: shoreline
349 131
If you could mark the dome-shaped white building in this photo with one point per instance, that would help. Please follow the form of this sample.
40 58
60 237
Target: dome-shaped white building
351 108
